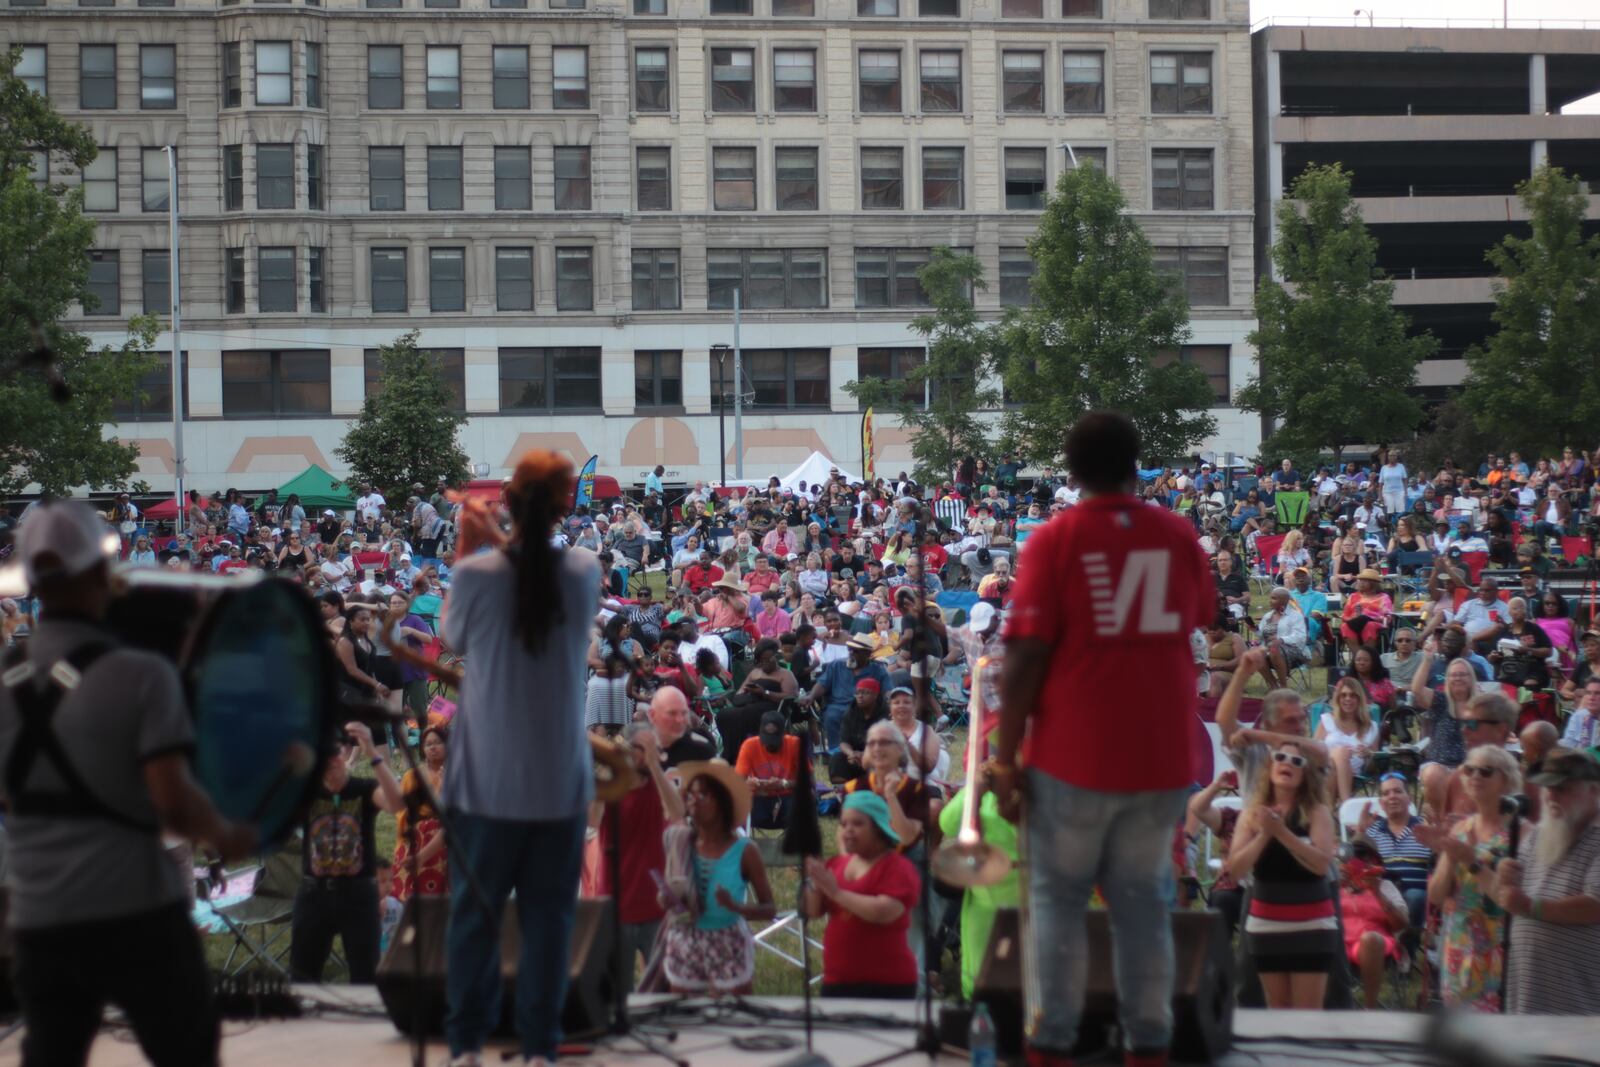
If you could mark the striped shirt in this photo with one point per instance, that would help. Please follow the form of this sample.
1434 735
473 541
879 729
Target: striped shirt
1555 969
1406 861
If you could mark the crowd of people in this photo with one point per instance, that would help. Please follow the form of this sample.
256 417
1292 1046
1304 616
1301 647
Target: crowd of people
737 632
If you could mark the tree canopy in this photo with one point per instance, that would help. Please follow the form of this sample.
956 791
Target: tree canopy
406 433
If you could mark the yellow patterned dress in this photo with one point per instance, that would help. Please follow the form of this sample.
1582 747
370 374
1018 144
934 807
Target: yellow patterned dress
1471 931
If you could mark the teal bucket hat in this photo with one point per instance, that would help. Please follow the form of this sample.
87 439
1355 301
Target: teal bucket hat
876 809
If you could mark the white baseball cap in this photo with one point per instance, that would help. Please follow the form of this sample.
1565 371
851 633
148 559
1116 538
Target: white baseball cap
63 539
981 616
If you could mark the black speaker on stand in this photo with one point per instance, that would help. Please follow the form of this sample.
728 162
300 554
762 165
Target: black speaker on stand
590 991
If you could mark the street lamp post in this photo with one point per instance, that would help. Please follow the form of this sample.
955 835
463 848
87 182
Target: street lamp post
175 297
721 352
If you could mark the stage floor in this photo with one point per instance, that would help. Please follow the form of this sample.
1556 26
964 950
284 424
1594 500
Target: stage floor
347 1031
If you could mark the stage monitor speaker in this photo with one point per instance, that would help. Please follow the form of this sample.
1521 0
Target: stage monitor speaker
591 993
1202 996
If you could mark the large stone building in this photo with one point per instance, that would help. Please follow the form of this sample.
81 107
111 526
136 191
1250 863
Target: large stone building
1438 126
562 196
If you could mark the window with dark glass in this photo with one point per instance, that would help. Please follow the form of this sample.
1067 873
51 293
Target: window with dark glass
1212 359
386 179
797 183
1016 277
513 279
573 186
788 378
880 80
317 278
566 5
652 80
233 280
549 379
233 177
447 4
1201 274
1025 178
794 80
1022 9
887 277
1180 9
574 279
316 177
232 77
388 279
941 81
1084 82
794 8
31 67
158 77
939 9
655 279
274 176
894 365
292 382
449 365
313 75
1083 157
97 76
447 279
1181 179
154 188
730 7
733 86
1080 9
444 78
277 288
942 184
444 178
513 178
151 399
882 179
886 9
571 86
386 87
274 74
517 5
1180 83
156 275
766 278
658 379
733 179
100 182
511 77
654 176
649 7
375 4
1022 82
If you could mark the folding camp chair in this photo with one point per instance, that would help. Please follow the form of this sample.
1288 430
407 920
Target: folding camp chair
1291 508
260 922
782 935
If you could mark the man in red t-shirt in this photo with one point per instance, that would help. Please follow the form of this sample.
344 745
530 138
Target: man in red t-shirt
1106 597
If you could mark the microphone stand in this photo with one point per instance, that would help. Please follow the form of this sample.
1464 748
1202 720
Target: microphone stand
1512 806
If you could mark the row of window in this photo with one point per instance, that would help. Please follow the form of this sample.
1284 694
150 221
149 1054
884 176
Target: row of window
97 75
766 279
274 75
1180 82
257 384
1017 9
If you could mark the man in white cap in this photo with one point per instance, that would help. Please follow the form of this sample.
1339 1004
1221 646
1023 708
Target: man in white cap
370 504
980 637
94 739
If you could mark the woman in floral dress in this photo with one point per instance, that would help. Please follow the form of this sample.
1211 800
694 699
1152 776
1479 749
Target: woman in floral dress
1472 924
432 875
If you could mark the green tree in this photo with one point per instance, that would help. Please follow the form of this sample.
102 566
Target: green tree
56 392
1334 358
406 432
1453 435
1100 315
1536 382
946 428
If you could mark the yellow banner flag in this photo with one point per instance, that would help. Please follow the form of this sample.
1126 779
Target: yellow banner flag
867 463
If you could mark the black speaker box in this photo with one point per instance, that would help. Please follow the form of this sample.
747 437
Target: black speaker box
1202 995
591 993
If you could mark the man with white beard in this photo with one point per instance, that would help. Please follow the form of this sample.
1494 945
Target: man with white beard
1554 895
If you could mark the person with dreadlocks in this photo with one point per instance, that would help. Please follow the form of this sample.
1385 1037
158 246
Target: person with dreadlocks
522 773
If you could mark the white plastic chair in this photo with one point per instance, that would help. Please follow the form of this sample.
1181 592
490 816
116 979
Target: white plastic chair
1214 860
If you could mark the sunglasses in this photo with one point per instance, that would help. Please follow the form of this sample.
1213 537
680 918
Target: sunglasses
1285 757
1470 725
1391 776
1473 769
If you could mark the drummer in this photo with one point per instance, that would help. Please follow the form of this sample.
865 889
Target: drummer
100 913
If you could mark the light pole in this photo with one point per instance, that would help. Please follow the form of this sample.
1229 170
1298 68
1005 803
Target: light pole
738 395
177 331
721 352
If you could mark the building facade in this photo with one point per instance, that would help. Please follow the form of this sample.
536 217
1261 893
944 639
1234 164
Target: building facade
1437 126
563 196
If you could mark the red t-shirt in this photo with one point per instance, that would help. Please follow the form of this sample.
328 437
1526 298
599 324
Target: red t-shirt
855 951
642 820
1115 586
759 582
934 557
700 579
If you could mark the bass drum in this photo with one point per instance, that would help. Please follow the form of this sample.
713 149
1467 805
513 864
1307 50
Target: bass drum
258 671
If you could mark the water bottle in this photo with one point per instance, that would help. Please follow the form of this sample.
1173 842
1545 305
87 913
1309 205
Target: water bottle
980 1037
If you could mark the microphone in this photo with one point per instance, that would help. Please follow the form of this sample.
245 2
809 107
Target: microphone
1514 806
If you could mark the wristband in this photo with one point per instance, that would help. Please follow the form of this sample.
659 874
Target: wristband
377 761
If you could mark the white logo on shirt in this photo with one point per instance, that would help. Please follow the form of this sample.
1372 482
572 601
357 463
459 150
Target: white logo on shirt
1145 569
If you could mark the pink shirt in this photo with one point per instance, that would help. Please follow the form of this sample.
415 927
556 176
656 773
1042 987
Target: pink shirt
772 623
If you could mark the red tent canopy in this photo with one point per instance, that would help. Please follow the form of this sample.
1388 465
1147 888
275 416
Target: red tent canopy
167 509
490 489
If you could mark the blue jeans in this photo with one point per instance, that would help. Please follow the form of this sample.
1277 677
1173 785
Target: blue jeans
541 861
832 724
1416 906
1077 839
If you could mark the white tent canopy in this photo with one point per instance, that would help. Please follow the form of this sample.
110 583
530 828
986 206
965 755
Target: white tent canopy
814 471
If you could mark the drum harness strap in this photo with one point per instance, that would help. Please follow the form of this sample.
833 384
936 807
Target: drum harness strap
37 702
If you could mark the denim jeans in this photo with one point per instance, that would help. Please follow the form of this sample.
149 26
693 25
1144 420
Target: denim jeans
541 861
1077 839
833 724
1416 906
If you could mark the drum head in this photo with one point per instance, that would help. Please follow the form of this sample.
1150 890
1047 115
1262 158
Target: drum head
261 684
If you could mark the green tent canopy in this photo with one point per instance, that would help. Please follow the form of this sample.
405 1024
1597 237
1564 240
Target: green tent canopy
318 489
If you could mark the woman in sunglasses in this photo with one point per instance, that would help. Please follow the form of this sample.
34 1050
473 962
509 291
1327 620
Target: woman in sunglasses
1285 840
1472 966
